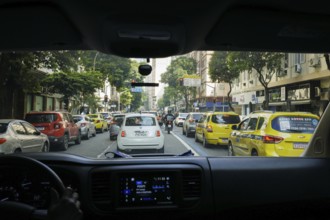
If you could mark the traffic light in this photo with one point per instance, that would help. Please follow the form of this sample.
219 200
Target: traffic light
181 81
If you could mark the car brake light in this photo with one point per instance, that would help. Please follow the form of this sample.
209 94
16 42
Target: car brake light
83 124
268 139
57 126
2 140
123 134
158 133
209 128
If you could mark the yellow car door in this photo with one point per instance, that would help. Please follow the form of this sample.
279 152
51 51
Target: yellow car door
236 138
247 146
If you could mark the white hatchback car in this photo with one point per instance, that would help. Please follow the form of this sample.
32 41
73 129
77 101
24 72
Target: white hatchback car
140 133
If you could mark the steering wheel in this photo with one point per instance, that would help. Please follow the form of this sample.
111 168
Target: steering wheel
17 210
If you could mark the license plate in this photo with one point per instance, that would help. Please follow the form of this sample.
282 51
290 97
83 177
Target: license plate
40 128
300 145
224 140
141 133
169 126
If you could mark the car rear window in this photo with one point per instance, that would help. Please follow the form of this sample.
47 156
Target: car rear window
41 118
225 119
197 116
140 121
183 115
293 124
77 118
3 127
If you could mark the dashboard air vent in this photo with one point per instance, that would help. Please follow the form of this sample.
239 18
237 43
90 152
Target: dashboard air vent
101 189
191 184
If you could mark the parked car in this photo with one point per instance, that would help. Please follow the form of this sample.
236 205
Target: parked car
140 133
86 125
100 123
115 126
59 126
180 119
20 136
189 124
214 128
264 133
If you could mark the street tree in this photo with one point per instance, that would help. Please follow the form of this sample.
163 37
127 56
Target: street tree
113 68
73 85
264 64
223 68
177 69
23 72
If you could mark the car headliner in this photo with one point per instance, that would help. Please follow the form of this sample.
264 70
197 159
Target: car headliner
149 29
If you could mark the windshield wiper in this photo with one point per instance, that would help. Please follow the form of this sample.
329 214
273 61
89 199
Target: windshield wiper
293 130
118 154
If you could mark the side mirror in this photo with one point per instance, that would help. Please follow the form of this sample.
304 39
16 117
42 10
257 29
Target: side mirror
37 133
234 127
197 120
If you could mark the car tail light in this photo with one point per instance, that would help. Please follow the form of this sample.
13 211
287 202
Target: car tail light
209 128
158 133
268 139
83 124
57 126
2 140
123 134
98 121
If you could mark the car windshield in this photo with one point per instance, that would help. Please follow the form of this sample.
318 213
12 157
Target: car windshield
292 84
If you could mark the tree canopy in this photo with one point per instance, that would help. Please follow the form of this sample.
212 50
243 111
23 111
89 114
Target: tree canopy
177 69
223 68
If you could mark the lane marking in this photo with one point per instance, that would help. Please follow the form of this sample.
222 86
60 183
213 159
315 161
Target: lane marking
185 144
108 148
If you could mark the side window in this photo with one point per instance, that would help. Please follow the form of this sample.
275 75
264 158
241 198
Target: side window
70 118
252 125
202 119
18 128
243 124
260 122
65 117
29 128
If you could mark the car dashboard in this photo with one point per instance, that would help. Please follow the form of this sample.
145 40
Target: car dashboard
178 187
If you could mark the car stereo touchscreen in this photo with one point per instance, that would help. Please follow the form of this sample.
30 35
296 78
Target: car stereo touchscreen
146 190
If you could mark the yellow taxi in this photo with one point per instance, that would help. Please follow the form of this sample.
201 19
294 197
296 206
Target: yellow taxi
100 122
214 128
279 134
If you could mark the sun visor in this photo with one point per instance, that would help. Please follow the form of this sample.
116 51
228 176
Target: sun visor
36 27
133 39
272 30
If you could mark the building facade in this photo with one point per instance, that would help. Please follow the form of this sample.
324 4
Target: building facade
303 85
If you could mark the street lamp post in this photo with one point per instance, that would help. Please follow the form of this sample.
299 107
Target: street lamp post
214 101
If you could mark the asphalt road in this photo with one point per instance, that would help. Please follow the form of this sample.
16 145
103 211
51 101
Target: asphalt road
175 143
